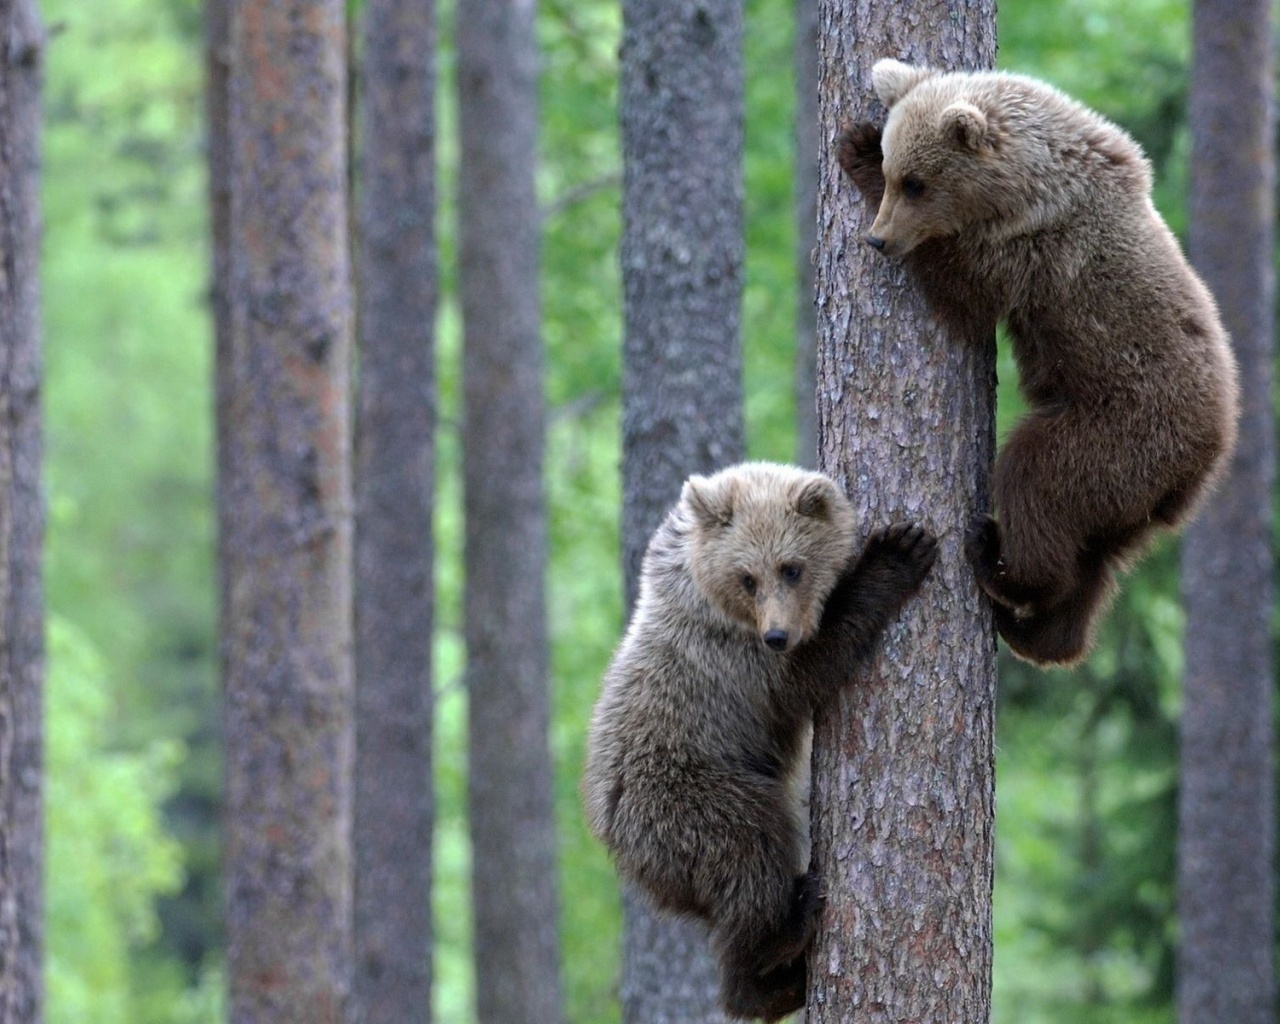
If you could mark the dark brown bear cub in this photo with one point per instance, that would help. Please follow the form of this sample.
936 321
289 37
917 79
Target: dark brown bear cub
1007 200
752 611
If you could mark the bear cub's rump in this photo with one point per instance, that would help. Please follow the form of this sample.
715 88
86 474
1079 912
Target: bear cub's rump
752 610
1007 200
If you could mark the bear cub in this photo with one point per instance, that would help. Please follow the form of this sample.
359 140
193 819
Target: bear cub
1008 201
752 611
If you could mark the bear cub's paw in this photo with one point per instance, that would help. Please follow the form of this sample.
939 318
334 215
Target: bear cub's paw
982 547
860 156
806 905
859 144
904 553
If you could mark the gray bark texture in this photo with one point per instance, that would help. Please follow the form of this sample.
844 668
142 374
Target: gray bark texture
394 467
1226 831
681 109
903 788
806 193
21 520
287 540
514 888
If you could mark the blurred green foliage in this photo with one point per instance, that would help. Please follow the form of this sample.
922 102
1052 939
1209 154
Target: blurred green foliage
1086 760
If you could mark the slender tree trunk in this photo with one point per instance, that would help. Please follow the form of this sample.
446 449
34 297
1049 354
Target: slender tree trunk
217 37
1226 844
903 796
808 145
514 889
681 103
287 540
21 521
393 487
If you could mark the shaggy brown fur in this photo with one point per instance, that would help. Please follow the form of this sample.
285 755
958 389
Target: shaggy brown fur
1007 200
751 612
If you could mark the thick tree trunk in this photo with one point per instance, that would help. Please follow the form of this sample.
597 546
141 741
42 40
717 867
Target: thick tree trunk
514 891
681 103
808 145
287 543
21 521
1226 844
903 796
394 466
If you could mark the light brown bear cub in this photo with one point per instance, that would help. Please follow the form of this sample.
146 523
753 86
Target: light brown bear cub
1007 200
752 611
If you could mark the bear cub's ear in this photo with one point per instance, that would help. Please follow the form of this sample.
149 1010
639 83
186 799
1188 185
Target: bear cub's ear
813 499
965 125
710 500
893 79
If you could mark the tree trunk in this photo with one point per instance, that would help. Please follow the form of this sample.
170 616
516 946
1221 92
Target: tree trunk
21 521
903 795
808 145
394 467
1226 805
681 104
217 36
287 545
514 890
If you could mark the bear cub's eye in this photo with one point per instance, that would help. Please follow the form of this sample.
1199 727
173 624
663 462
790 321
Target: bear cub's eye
749 583
791 573
912 187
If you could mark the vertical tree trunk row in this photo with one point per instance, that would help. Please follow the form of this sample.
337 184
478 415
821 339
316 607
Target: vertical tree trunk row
394 466
514 891
21 521
287 540
903 796
1226 846
681 108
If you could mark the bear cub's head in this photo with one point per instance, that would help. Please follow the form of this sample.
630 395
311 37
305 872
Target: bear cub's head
942 172
767 544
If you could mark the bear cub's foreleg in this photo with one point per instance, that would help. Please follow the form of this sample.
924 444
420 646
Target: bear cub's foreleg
867 598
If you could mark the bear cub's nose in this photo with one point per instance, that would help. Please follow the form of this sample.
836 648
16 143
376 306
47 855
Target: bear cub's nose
875 243
776 640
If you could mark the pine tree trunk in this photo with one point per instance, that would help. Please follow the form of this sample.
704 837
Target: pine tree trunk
903 796
21 521
287 545
808 146
681 103
394 465
217 37
514 890
1226 844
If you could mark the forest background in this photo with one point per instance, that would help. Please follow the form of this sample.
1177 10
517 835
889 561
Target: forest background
1086 760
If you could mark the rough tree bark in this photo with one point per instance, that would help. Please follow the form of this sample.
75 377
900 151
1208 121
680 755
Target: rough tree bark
514 891
806 191
287 540
21 520
681 103
394 465
903 796
1226 824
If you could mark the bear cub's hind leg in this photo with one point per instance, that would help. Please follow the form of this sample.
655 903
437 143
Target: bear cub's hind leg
1056 632
765 978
